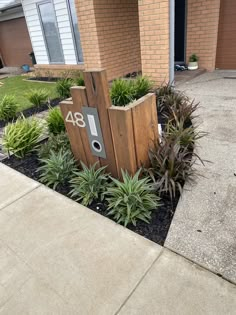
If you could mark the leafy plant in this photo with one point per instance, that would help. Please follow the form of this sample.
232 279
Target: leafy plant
172 165
131 200
142 86
37 96
21 137
55 121
63 87
55 143
184 136
193 58
79 80
122 92
89 184
8 107
57 169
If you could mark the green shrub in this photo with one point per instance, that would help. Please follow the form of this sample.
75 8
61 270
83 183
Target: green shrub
193 58
184 136
172 166
122 92
55 143
63 87
8 107
57 169
55 121
37 96
79 81
131 200
89 184
142 86
22 136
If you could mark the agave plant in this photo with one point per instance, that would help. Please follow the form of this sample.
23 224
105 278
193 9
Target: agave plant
132 199
89 184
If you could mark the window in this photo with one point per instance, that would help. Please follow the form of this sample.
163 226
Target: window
75 30
51 35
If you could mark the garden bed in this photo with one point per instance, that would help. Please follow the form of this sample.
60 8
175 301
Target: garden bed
34 110
155 231
44 79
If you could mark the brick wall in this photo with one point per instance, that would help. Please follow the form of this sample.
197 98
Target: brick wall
117 24
154 38
202 31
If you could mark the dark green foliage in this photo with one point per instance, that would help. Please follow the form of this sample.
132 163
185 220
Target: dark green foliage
122 92
63 87
8 107
57 168
37 96
55 121
55 143
193 58
89 184
172 165
79 81
142 86
21 137
131 200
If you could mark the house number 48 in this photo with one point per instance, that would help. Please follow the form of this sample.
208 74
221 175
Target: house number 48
77 119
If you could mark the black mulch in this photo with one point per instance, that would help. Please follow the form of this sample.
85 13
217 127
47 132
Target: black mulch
44 79
34 110
161 218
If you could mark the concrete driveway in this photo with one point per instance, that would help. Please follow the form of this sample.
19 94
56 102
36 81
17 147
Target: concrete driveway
204 225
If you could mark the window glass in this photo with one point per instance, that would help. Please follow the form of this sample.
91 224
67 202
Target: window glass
76 32
51 34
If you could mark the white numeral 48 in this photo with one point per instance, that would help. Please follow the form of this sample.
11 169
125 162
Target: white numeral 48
77 119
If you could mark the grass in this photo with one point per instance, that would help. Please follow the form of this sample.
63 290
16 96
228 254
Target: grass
18 87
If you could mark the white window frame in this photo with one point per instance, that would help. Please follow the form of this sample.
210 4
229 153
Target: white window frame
42 29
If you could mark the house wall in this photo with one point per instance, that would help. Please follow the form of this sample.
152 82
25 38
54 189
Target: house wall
154 35
36 35
117 23
202 31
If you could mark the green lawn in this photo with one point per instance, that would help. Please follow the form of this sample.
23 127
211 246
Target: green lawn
18 87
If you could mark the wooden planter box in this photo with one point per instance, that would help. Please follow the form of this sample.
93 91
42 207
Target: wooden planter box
134 131
127 133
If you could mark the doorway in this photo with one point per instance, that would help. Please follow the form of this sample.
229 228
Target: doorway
180 31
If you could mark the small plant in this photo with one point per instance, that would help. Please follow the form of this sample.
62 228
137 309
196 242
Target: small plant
185 137
79 81
193 58
8 107
57 169
55 143
122 92
37 96
55 121
22 137
142 86
63 87
131 200
172 165
89 184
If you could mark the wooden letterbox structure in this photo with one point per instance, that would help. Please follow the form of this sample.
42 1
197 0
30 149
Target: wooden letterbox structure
118 137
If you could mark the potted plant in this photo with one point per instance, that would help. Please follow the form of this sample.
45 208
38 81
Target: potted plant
193 62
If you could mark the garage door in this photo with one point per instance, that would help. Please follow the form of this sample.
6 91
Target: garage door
226 47
15 43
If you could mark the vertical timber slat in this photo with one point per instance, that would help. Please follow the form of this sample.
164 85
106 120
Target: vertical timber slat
98 96
74 133
80 99
123 139
145 123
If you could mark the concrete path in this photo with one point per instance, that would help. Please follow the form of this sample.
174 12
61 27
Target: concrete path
58 257
204 225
